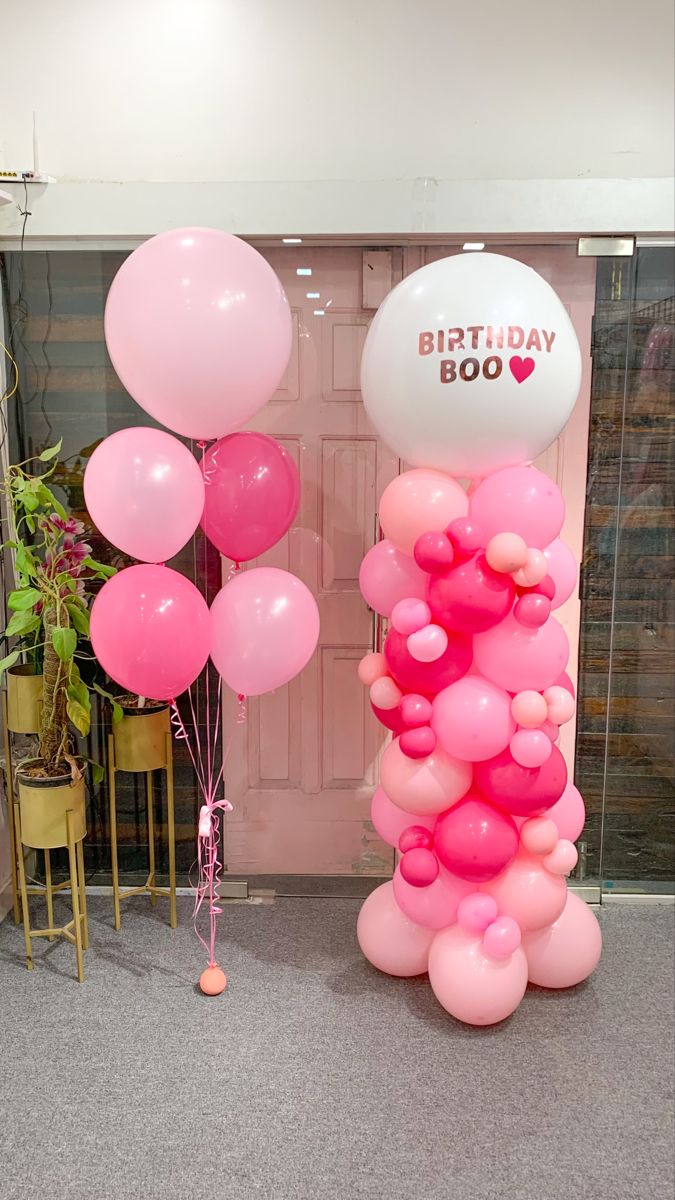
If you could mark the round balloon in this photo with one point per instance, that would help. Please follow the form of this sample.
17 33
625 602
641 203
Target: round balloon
251 495
150 631
565 953
419 502
198 328
470 597
390 821
524 791
427 678
264 630
474 840
525 501
390 940
434 906
563 569
519 658
387 576
472 719
469 984
471 364
423 785
526 891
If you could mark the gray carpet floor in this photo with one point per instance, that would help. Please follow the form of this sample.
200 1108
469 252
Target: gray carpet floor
314 1077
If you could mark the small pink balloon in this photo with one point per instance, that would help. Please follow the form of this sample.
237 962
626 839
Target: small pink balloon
387 575
390 821
384 693
427 677
372 667
476 912
528 708
564 953
501 939
466 537
409 615
569 813
563 570
526 891
427 785
390 940
428 644
433 552
529 747
415 837
562 859
418 743
415 710
552 731
519 500
474 840
472 718
434 906
418 501
545 587
470 986
539 835
506 552
532 610
560 705
419 867
535 569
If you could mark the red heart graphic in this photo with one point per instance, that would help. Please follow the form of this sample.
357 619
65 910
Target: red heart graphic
521 368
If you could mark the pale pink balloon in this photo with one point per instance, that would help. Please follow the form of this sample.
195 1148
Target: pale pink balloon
529 709
566 952
506 552
476 911
563 569
144 491
390 940
472 718
569 813
562 859
535 569
502 938
526 891
521 659
264 630
409 615
539 835
559 705
469 985
552 731
519 500
529 747
387 575
417 502
428 644
372 667
390 821
434 906
199 330
384 693
425 785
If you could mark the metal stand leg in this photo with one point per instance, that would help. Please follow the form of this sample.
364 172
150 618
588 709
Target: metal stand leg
9 795
171 832
151 836
48 893
75 896
83 895
113 830
24 893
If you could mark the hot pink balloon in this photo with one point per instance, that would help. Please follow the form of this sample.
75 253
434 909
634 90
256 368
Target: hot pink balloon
519 500
532 610
526 891
474 840
390 717
252 494
471 596
563 569
434 906
416 837
198 328
418 743
415 710
471 986
520 659
390 821
568 951
419 867
427 678
264 630
569 813
387 575
150 631
472 719
433 551
417 502
390 940
525 791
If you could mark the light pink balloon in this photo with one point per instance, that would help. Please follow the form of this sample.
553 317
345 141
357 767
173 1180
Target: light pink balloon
390 940
519 500
390 821
529 709
434 906
562 859
470 986
264 630
563 569
198 328
530 747
476 911
501 939
539 835
424 785
569 813
472 718
506 552
566 952
409 615
417 502
428 644
372 667
144 491
387 575
552 731
384 693
559 705
528 892
518 658
534 570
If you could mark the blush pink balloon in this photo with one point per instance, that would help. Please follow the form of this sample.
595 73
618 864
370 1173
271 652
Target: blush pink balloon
472 719
539 835
434 906
427 678
390 821
415 710
474 840
528 709
528 892
530 747
563 570
264 630
569 813
476 912
501 939
418 502
470 596
524 791
372 667
390 940
428 644
471 986
423 786
252 494
144 492
387 575
568 951
199 330
419 867
559 703
409 615
150 631
521 659
534 571
562 859
390 718
384 693
506 552
418 743
433 552
519 500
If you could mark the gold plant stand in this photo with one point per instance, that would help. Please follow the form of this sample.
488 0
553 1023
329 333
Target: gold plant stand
21 706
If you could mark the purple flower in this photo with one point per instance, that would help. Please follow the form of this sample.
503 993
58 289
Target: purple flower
75 551
70 525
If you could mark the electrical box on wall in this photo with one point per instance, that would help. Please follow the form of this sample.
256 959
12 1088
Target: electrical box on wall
377 277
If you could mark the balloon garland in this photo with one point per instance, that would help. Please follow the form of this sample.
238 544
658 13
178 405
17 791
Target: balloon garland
474 791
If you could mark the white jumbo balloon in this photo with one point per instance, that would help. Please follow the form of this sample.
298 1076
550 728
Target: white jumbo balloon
471 364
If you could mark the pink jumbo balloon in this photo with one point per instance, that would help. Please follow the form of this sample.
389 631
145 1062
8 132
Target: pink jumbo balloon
506 552
568 951
264 630
387 575
502 938
419 867
472 719
433 906
518 658
559 703
428 644
388 939
530 747
525 791
474 840
423 786
519 500
471 986
427 678
569 813
372 667
150 631
144 492
418 743
476 912
528 709
415 710
198 328
390 821
563 569
526 891
407 616
418 502
252 494
433 552
470 596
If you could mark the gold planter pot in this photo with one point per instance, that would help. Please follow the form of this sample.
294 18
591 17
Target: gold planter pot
43 804
24 700
140 739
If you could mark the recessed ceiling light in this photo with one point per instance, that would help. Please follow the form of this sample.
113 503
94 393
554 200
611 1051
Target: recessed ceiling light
291 241
319 312
303 270
312 295
473 246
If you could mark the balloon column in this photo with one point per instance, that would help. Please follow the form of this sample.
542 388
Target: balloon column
183 324
474 791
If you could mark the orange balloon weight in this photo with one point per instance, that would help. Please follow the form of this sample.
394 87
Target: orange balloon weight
213 981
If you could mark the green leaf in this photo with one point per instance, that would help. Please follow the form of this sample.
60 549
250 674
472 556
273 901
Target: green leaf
79 716
77 690
79 618
117 710
22 622
20 600
97 773
58 508
30 522
64 642
51 451
100 568
26 563
8 661
30 501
